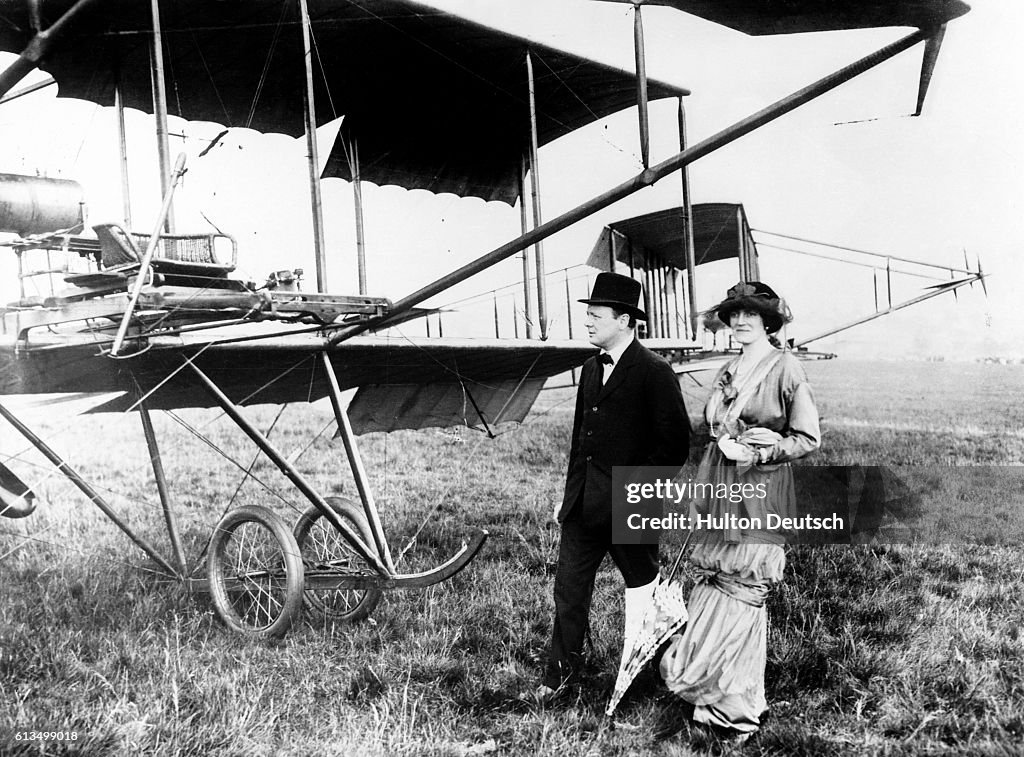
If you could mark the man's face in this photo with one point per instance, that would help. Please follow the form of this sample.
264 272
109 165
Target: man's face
604 329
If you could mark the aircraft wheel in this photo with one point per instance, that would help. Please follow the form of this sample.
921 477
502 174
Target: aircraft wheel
323 548
255 572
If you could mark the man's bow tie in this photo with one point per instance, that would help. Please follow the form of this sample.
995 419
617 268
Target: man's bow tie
605 358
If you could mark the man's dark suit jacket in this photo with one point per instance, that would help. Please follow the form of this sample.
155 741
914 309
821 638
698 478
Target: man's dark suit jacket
636 418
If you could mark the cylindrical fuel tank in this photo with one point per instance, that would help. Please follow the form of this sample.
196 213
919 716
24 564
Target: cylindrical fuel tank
31 205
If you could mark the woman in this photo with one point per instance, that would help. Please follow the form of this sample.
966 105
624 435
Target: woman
761 415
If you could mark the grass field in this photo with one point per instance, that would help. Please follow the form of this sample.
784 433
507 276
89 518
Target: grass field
875 649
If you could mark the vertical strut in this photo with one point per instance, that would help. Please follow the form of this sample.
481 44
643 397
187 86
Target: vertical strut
123 151
641 84
319 245
161 486
160 109
356 463
538 247
524 225
357 196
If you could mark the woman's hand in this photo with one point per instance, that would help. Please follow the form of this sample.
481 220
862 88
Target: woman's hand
733 450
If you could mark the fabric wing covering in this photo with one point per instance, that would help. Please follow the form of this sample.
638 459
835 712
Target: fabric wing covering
404 383
389 407
762 17
720 232
434 101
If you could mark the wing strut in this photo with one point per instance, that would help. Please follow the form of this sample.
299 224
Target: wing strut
355 462
538 248
641 85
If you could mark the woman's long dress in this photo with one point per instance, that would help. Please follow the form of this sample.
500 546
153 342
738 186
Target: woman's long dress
718 663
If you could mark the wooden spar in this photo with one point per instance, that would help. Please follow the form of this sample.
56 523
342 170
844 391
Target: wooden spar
35 16
651 300
568 317
888 280
162 489
147 258
741 247
156 71
538 248
887 256
667 305
38 47
524 227
952 287
568 304
27 90
640 181
688 249
656 274
641 84
313 159
675 300
355 462
659 283
122 143
845 261
357 195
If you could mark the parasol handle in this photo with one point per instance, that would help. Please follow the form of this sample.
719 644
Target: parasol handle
679 557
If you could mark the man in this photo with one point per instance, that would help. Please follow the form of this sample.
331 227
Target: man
629 411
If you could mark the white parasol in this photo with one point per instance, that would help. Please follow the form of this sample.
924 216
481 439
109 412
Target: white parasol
665 615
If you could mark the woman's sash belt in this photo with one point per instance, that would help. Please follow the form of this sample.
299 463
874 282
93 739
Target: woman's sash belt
747 591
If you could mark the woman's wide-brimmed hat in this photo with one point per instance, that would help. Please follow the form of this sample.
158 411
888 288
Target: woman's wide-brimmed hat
617 291
757 297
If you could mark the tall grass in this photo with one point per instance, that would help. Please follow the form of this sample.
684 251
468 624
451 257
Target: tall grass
872 649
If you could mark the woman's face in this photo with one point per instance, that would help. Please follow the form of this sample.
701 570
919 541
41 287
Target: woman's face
747 326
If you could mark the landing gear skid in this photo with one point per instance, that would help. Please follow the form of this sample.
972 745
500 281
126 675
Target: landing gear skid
260 573
337 562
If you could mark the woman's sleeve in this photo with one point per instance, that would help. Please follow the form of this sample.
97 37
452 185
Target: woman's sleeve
802 434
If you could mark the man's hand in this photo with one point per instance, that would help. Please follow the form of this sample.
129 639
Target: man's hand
557 511
733 450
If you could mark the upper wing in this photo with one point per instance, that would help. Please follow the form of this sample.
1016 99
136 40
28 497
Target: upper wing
759 17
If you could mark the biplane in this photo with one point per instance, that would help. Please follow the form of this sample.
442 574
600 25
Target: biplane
159 318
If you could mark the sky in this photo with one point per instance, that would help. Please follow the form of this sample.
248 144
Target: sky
850 169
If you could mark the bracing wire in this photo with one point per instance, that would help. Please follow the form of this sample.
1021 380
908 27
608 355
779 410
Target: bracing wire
266 64
67 546
219 450
213 82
